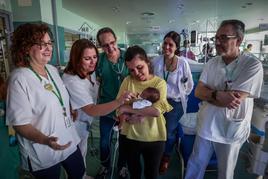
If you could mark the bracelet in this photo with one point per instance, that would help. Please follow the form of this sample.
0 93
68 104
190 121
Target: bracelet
214 94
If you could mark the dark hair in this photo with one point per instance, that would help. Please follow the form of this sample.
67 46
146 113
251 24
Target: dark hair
249 45
186 42
238 26
24 37
176 38
103 31
135 50
207 48
154 94
75 60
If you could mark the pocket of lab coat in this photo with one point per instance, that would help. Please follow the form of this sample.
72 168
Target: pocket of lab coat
237 114
235 129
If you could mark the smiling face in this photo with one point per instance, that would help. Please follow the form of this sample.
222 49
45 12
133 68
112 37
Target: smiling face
227 42
109 45
169 47
89 60
138 69
41 52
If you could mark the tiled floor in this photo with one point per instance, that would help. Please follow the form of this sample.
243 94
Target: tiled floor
175 169
9 161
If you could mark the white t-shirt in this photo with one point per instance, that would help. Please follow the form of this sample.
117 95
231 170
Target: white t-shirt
215 123
28 102
82 92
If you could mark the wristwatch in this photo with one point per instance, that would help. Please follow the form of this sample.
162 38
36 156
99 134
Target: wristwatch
214 94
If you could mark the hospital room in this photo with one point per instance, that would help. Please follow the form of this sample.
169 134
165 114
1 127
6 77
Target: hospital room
120 89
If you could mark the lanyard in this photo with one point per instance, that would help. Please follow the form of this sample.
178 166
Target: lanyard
49 87
165 75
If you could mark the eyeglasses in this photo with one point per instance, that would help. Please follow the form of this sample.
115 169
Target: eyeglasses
43 45
106 46
224 37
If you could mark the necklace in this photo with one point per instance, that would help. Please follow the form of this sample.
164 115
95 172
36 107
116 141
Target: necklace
57 93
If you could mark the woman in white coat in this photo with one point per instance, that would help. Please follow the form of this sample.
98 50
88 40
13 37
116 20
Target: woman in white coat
80 81
38 107
176 72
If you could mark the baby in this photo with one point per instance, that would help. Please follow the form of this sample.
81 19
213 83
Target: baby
147 97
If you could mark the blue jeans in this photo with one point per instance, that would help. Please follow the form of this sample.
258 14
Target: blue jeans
106 132
174 129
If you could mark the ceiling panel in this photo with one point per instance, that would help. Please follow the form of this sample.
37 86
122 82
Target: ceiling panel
126 15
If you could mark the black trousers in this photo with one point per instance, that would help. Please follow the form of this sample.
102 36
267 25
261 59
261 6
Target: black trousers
151 153
73 165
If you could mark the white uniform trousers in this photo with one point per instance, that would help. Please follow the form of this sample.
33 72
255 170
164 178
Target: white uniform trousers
203 149
82 130
83 148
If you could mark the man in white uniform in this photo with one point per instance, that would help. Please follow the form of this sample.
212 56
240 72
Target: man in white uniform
227 86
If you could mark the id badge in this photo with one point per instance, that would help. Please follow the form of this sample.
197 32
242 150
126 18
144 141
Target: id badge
67 121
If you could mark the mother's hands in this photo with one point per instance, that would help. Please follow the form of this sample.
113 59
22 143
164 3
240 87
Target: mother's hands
135 118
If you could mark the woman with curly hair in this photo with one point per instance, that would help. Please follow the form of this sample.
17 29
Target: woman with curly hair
38 107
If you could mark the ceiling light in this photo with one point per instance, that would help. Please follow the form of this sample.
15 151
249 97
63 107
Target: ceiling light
115 9
147 14
180 6
249 3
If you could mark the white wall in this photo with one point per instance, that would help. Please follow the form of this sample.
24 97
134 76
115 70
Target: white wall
72 21
255 39
65 18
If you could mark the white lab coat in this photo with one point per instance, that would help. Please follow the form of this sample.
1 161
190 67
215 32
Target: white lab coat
176 90
28 102
82 93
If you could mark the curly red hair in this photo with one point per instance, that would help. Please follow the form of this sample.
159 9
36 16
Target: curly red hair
24 37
